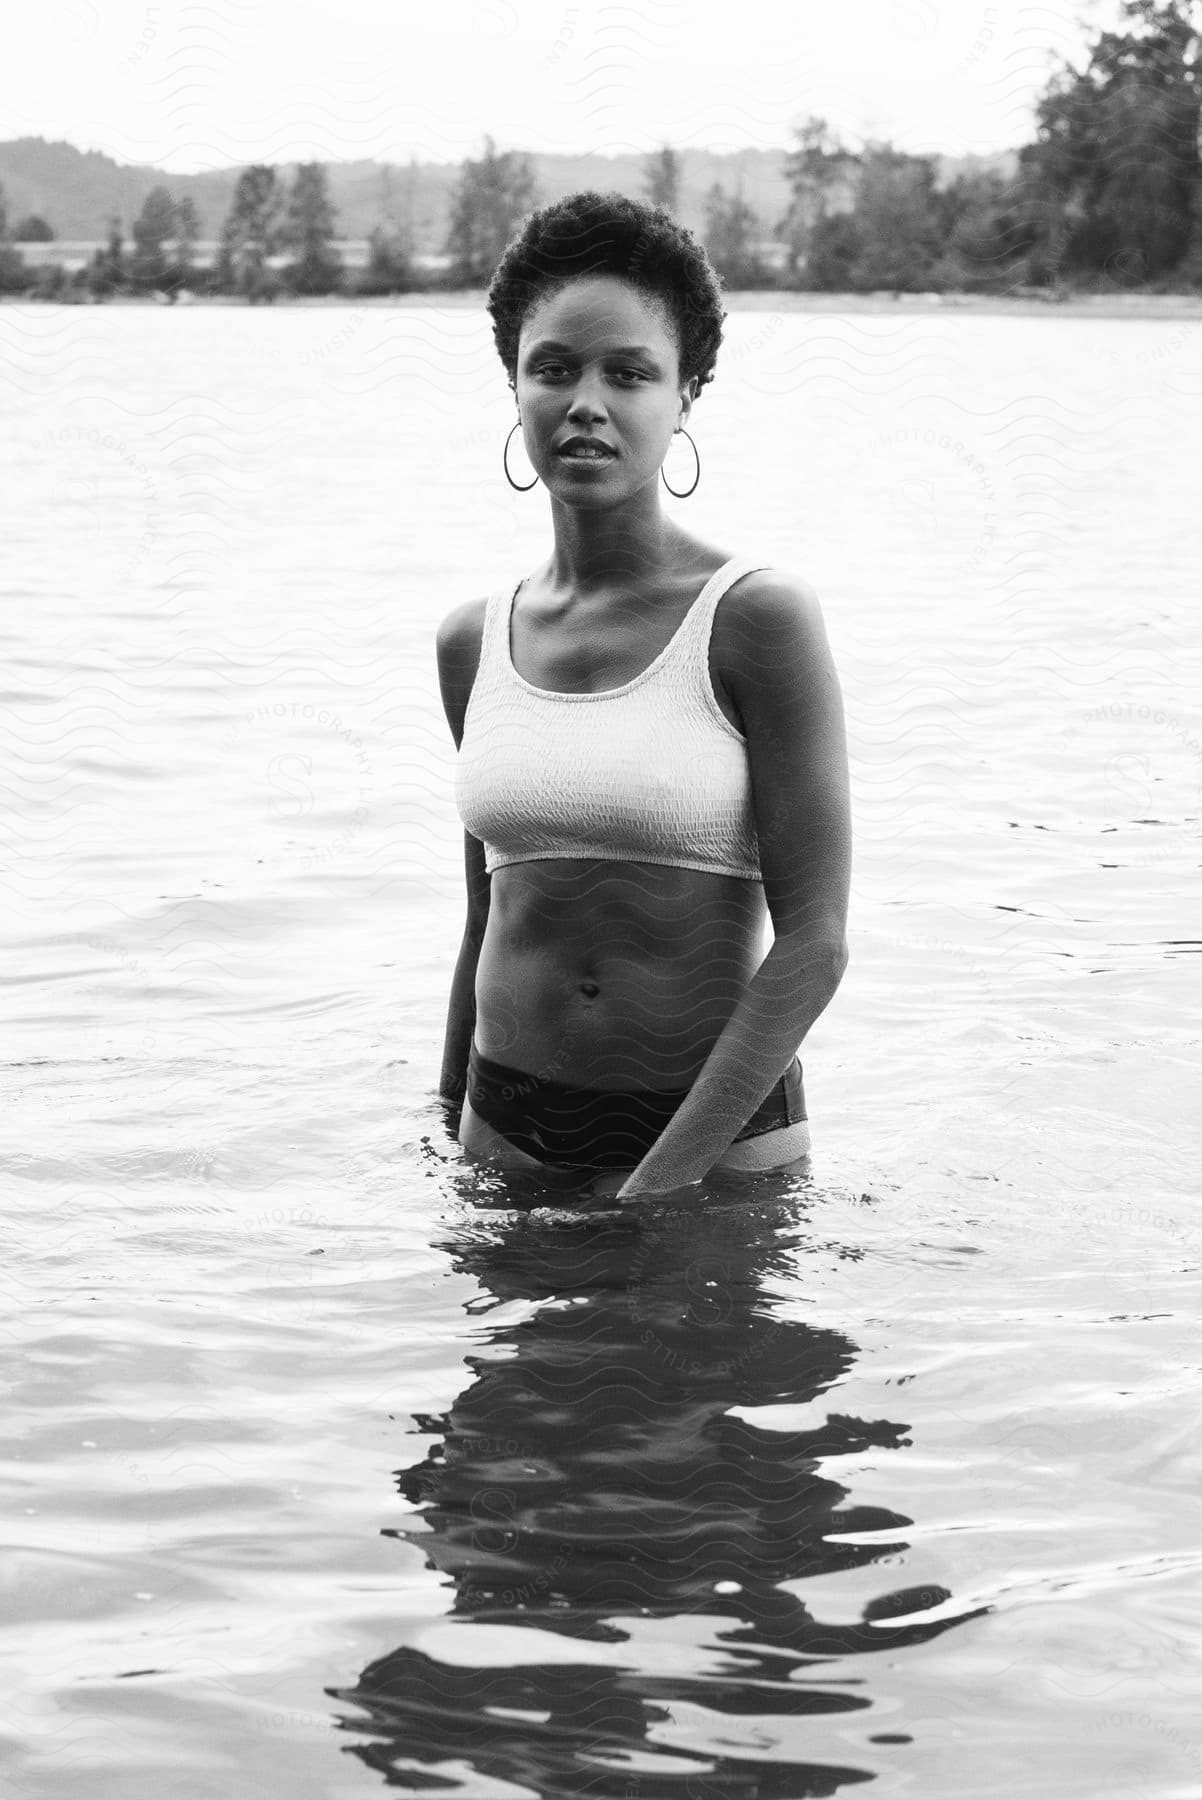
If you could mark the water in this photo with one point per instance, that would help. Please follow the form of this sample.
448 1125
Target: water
334 1467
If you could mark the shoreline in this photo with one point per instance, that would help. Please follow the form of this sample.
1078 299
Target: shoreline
778 300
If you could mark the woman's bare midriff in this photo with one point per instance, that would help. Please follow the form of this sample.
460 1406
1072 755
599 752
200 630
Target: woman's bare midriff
613 975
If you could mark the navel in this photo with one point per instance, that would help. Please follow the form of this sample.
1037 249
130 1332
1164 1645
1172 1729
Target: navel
589 989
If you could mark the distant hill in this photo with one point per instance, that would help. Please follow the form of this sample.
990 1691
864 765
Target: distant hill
80 191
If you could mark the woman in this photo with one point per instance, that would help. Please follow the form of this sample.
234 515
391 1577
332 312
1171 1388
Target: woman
651 751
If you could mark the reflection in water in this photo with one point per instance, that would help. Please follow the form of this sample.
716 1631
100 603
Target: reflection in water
594 1485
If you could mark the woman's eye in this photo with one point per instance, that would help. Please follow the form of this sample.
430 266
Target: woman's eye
554 371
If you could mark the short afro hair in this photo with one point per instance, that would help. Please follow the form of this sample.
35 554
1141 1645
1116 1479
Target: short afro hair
608 234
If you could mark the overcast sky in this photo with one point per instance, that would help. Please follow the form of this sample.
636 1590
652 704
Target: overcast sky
200 84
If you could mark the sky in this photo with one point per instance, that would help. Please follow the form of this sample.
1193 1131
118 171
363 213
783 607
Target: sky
203 84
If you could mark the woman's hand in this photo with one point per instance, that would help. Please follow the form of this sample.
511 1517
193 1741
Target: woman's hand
634 1184
611 1182
634 1189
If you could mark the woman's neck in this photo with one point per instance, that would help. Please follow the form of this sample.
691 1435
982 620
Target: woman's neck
598 550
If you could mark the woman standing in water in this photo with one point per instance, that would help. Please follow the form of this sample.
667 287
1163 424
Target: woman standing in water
651 751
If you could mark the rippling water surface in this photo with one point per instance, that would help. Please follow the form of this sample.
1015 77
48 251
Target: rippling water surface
332 1464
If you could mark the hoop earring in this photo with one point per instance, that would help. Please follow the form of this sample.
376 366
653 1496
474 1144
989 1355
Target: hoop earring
697 476
522 489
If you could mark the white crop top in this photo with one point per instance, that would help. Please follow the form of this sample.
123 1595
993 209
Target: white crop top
651 771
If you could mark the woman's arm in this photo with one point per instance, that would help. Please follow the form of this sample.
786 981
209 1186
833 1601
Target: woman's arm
775 661
461 1012
457 648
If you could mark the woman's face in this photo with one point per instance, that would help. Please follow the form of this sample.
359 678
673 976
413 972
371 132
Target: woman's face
598 361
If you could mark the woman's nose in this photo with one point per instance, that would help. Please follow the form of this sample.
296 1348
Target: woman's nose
587 399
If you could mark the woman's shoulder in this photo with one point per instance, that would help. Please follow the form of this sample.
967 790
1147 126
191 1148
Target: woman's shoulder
768 627
457 644
457 640
767 599
462 621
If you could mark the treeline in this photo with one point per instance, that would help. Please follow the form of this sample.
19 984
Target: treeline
1109 195
274 240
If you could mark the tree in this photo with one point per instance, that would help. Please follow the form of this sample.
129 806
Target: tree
389 269
107 270
396 222
662 183
165 234
51 282
819 172
153 230
492 197
309 230
186 234
1112 179
1141 201
731 232
15 277
33 229
897 218
251 234
836 246
981 225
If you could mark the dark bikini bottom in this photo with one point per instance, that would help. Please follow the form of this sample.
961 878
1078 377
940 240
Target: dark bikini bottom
596 1127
